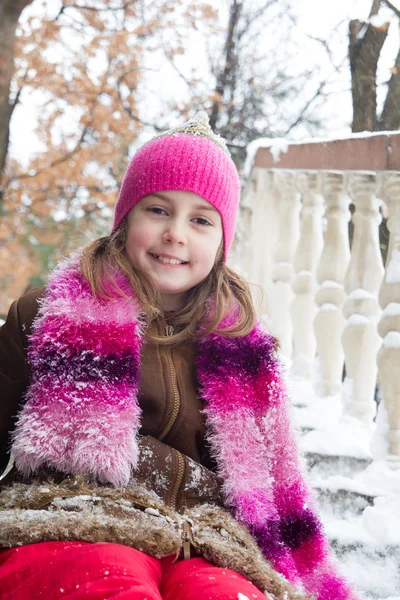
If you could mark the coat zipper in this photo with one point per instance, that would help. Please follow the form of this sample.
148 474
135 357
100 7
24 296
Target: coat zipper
169 330
179 479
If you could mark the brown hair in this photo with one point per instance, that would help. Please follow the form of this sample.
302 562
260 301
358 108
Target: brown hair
104 257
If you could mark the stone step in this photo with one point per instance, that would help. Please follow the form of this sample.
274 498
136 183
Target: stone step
322 466
341 503
376 572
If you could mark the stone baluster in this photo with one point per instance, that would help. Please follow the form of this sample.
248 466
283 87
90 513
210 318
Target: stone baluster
363 278
282 274
241 254
264 228
329 321
307 254
389 325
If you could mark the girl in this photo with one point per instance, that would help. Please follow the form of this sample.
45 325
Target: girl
146 446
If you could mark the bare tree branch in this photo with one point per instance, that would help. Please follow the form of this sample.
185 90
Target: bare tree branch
173 65
54 163
124 6
131 114
306 107
392 6
251 18
376 4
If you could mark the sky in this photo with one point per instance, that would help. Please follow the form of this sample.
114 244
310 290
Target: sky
314 18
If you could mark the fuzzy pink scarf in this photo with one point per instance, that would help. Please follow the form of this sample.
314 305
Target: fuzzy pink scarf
81 416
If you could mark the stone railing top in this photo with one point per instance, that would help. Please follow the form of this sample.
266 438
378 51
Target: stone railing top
364 151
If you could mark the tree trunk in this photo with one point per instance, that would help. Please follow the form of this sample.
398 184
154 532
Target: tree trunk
364 51
390 117
224 77
10 11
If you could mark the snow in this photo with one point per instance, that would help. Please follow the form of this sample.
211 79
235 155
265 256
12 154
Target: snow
393 268
392 310
392 340
383 520
364 521
379 21
361 294
328 306
328 283
279 145
357 319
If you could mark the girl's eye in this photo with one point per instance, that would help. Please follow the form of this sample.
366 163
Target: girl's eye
202 221
157 210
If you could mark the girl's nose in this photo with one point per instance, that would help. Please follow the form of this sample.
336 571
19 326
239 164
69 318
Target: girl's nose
174 234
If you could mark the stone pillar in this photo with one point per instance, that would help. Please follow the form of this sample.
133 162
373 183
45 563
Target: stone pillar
242 251
363 278
389 326
282 273
306 259
265 225
329 321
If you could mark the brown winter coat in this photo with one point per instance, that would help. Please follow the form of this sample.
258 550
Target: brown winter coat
172 434
174 499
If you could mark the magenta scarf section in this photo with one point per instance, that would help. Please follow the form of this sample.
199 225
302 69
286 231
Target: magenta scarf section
81 416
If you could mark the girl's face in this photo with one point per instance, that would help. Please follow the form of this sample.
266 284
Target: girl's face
174 237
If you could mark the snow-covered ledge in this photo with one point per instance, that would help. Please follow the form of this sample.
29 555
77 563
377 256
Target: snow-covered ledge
322 299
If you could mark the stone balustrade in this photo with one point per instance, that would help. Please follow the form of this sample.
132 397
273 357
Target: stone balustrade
330 305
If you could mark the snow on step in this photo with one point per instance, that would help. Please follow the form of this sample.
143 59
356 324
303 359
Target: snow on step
359 498
320 465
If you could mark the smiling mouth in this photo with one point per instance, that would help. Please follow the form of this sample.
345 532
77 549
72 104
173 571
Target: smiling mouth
168 261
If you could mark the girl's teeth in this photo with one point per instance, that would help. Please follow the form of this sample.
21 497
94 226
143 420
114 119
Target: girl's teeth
171 261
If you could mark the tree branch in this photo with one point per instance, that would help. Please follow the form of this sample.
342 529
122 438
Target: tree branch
376 4
392 7
129 111
52 164
305 108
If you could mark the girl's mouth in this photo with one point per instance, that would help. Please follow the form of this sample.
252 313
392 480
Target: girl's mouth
173 262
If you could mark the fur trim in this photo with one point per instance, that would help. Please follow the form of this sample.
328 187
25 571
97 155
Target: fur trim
77 509
225 543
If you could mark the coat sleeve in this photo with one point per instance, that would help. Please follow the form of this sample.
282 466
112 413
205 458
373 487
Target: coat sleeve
14 367
305 549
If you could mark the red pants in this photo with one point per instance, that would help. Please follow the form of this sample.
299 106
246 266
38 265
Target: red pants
79 570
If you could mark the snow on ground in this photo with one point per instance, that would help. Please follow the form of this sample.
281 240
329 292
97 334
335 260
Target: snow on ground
370 541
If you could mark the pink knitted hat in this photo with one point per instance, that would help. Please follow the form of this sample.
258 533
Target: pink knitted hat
190 158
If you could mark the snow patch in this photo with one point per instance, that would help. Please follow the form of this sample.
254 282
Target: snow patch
392 310
357 319
361 294
348 437
393 268
328 307
382 520
392 340
379 20
328 283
